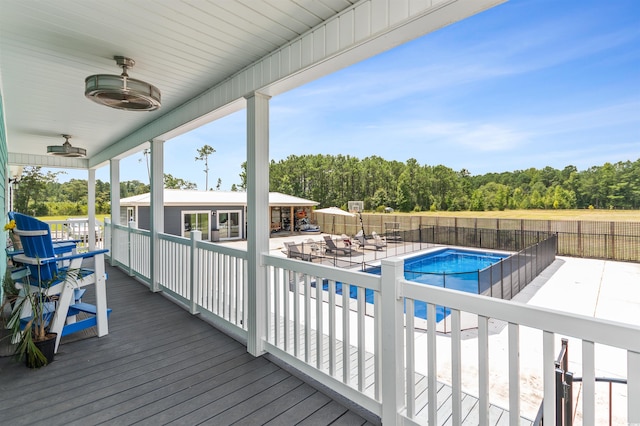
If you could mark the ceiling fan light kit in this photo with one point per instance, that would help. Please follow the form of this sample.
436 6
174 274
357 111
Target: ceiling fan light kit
121 91
66 150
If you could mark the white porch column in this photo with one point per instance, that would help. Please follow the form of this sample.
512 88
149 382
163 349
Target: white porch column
91 209
114 168
392 310
257 210
156 209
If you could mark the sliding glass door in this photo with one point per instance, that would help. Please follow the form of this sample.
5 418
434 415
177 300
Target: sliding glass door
196 221
229 224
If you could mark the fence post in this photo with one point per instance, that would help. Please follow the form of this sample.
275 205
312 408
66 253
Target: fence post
132 225
612 232
501 279
392 338
580 238
491 281
195 237
455 226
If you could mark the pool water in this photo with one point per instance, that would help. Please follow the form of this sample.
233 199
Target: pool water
450 268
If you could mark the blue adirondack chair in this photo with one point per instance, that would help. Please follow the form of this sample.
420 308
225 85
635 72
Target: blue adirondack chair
58 275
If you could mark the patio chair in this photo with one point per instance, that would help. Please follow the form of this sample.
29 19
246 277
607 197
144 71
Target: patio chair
364 243
331 247
295 252
60 276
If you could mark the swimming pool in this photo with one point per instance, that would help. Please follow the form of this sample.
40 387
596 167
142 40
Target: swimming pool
449 268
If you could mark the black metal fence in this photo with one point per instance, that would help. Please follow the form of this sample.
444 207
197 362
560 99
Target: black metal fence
508 277
535 251
494 239
578 238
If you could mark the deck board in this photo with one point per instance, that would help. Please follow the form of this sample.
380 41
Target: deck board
159 364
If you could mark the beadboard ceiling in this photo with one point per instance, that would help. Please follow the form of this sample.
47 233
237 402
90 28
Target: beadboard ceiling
48 48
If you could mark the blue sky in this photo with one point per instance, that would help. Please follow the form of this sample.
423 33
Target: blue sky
530 83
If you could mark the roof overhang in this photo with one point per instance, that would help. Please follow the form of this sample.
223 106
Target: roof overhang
192 198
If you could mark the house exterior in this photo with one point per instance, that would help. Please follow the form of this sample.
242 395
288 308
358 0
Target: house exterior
209 211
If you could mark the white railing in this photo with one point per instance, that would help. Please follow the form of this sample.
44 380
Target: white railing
129 249
317 335
207 278
538 327
386 352
374 355
76 229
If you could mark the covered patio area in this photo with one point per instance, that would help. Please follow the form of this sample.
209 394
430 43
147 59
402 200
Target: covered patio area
211 59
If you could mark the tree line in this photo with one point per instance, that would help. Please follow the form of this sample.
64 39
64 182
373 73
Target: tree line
335 180
40 193
410 186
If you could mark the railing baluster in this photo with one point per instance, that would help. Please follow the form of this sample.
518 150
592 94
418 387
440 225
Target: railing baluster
270 271
377 333
277 309
588 384
514 374
456 367
346 334
239 290
296 313
549 374
633 387
224 286
361 339
483 369
410 356
432 364
332 328
286 292
307 318
319 324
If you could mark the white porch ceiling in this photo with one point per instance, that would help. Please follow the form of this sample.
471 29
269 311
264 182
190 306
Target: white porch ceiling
213 50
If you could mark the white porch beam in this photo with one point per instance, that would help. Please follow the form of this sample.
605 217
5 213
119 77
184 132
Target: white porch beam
14 158
156 209
364 30
258 222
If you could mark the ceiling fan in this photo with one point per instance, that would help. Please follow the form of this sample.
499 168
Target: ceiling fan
66 150
121 91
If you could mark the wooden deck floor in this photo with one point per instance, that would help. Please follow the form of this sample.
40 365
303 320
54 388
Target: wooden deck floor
159 365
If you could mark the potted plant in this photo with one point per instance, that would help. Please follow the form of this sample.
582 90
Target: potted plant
34 343
9 289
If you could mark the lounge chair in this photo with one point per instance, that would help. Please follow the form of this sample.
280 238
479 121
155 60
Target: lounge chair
373 243
47 276
294 251
331 247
